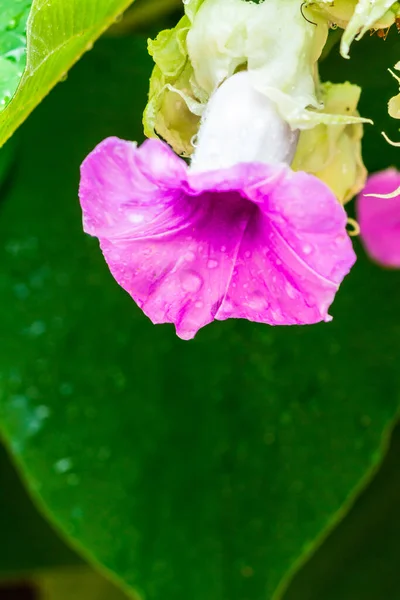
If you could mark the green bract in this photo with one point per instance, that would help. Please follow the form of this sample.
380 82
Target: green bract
279 42
333 152
356 17
394 103
169 109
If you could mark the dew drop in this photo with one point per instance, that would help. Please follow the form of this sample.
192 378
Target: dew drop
199 304
42 412
257 302
36 329
291 292
212 264
12 24
136 218
190 256
247 254
307 249
191 281
277 316
63 465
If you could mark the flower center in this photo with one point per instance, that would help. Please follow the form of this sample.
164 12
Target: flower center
242 125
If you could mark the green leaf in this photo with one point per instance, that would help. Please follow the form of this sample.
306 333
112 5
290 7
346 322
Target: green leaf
190 470
58 33
31 544
13 17
7 155
360 559
76 584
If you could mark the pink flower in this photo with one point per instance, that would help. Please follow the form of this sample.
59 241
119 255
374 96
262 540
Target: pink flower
254 241
379 218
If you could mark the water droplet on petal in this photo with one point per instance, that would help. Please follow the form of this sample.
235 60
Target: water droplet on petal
257 302
191 281
247 254
277 316
223 248
190 256
199 304
307 249
291 292
212 264
136 218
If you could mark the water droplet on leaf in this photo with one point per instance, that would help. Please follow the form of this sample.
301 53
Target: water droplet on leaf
63 465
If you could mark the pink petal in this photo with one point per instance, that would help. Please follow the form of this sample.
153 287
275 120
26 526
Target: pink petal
379 218
253 241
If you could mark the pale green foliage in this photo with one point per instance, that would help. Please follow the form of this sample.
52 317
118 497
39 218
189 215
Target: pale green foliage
13 17
58 33
167 112
366 15
333 152
357 17
394 103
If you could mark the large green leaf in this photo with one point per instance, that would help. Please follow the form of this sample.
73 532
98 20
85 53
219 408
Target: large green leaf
76 584
201 470
58 33
28 541
360 559
13 17
7 155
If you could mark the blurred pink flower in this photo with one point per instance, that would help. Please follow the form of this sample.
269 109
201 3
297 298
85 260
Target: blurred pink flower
252 241
379 218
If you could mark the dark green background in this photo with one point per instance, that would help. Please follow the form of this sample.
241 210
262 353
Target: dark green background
190 470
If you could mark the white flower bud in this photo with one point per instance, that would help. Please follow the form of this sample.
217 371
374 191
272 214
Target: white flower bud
242 125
